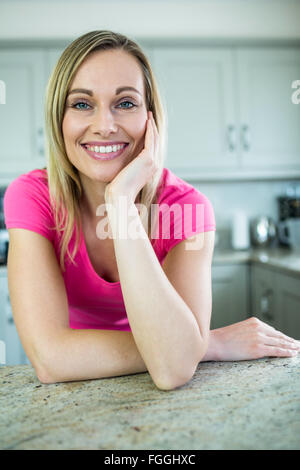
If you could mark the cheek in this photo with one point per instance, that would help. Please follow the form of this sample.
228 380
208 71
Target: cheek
70 128
138 128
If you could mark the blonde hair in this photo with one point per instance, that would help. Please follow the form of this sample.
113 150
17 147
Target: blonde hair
64 182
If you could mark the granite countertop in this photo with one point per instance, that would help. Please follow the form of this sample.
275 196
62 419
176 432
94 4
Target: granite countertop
280 259
226 405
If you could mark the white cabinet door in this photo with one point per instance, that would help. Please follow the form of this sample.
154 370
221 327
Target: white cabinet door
197 86
22 115
230 297
269 121
52 56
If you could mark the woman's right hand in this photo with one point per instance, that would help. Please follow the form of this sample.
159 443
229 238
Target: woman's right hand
251 339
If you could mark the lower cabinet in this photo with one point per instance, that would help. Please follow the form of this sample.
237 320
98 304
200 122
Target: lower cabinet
288 304
276 299
230 294
12 352
263 294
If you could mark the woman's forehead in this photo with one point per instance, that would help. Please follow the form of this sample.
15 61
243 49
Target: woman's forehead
109 69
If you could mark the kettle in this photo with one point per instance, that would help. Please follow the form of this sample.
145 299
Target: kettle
263 231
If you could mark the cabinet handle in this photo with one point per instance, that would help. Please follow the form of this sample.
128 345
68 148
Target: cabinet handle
40 142
245 137
231 137
265 305
9 315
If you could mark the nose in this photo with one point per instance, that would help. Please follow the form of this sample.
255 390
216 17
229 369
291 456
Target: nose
104 123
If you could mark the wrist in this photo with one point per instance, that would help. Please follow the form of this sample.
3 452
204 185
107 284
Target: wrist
122 216
213 350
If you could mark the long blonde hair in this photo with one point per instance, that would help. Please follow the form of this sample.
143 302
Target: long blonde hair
64 182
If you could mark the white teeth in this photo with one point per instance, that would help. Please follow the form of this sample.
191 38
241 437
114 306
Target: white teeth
105 149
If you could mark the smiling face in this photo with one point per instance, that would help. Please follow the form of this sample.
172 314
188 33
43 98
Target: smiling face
104 114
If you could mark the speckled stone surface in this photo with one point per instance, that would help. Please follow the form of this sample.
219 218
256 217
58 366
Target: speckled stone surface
226 405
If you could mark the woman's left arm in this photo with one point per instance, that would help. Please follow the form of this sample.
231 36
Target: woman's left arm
168 316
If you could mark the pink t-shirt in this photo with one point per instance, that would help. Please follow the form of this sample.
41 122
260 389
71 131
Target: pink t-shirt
94 302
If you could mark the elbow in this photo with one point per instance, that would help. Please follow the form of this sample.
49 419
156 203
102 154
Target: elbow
43 371
167 383
182 373
44 376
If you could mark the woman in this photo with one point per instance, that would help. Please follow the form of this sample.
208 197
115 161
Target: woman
87 305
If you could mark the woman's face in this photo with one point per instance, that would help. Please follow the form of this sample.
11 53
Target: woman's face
102 114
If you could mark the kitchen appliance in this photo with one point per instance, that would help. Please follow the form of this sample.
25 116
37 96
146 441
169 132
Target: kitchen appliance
4 237
289 232
288 209
263 231
240 231
4 242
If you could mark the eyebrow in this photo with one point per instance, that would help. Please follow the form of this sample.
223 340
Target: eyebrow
118 90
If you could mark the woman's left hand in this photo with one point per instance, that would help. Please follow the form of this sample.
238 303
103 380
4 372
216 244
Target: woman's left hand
139 171
250 339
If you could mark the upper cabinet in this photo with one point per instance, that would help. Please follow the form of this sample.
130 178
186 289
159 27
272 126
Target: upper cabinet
197 85
21 117
269 122
230 111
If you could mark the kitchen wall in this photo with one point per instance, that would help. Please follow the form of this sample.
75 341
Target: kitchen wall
253 197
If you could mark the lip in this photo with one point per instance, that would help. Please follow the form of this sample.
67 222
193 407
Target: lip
104 156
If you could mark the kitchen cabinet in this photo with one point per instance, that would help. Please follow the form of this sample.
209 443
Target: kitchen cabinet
263 284
21 117
197 85
268 120
230 111
288 304
15 353
276 299
230 294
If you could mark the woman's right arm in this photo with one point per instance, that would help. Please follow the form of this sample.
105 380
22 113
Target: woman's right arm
40 310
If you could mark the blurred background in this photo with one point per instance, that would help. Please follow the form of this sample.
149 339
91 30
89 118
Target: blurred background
229 73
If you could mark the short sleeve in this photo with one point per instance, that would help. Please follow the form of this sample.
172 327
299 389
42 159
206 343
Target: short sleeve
26 205
184 214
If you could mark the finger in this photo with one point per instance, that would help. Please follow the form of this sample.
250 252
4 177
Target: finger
149 145
279 334
155 133
275 351
271 331
279 342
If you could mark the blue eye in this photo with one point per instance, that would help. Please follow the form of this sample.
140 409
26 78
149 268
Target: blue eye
132 105
79 102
